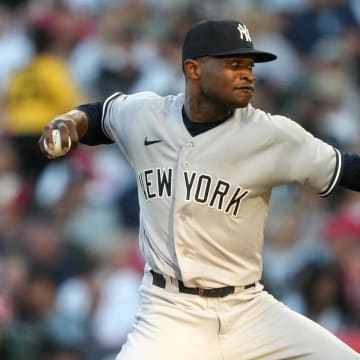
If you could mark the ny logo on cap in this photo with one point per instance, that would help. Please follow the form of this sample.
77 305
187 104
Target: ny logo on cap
244 32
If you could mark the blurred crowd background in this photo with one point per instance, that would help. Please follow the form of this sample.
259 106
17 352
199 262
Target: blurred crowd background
69 260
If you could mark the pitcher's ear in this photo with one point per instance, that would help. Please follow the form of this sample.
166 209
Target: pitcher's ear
192 69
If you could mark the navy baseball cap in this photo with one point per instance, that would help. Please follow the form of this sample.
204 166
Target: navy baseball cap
219 38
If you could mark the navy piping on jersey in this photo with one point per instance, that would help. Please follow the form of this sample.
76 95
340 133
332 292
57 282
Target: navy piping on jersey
336 176
106 108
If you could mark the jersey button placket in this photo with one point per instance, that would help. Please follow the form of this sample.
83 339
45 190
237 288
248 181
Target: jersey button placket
182 230
189 146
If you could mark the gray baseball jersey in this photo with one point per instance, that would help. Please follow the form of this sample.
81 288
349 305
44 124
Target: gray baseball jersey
203 208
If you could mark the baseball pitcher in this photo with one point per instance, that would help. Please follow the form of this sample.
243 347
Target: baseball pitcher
206 162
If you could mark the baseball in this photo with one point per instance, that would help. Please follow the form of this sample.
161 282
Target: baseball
58 150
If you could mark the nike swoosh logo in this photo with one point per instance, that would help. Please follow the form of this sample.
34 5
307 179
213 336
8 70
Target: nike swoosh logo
150 142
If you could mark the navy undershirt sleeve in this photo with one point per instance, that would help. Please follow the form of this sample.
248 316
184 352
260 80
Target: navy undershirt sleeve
350 177
95 134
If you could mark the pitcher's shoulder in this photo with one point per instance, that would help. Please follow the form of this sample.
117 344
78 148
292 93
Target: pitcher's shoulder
256 114
154 100
268 119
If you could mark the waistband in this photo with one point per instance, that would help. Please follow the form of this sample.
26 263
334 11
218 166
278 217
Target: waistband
161 281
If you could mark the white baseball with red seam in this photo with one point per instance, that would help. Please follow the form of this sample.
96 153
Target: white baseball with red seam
58 150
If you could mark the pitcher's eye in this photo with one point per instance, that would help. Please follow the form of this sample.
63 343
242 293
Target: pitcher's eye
238 64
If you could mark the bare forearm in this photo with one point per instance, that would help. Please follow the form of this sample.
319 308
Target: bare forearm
79 118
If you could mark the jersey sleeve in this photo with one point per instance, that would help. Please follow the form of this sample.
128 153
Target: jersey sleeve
110 113
304 159
117 120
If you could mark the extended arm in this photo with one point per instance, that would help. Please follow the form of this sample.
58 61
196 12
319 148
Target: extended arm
83 124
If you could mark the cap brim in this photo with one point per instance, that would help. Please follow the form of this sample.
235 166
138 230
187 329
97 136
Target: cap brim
257 55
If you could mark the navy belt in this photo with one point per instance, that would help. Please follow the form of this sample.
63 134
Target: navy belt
159 280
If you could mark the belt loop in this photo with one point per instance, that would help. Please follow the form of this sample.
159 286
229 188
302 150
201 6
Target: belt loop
158 280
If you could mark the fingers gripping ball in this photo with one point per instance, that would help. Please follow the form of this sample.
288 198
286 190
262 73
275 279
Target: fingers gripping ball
58 150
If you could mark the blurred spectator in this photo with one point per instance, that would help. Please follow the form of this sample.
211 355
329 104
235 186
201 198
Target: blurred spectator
76 299
331 81
267 29
342 233
286 253
111 59
323 296
91 193
318 20
15 197
285 6
15 45
352 284
37 92
26 336
120 281
13 273
163 72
